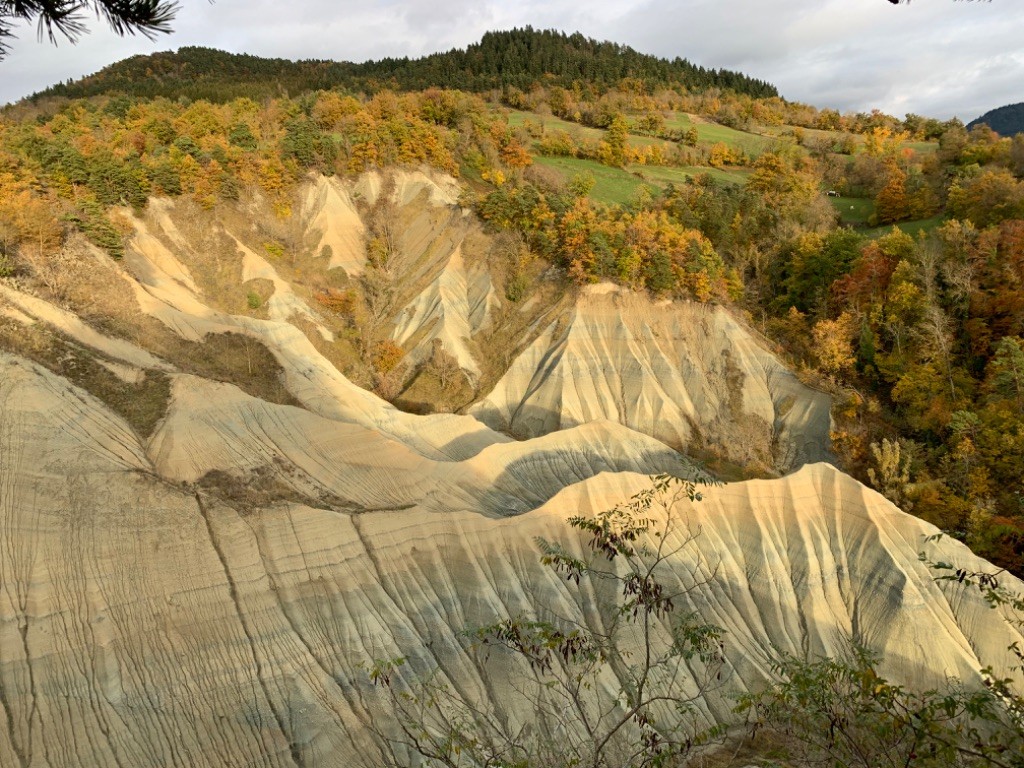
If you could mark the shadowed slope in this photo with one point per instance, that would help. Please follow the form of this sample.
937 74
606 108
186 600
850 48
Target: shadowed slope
685 373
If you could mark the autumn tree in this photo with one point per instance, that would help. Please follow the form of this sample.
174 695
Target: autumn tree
883 140
443 366
989 198
1006 371
890 471
891 204
781 183
833 343
814 263
651 123
615 139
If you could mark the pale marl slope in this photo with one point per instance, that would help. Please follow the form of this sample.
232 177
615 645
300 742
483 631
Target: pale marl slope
336 225
161 284
214 427
688 374
451 310
145 624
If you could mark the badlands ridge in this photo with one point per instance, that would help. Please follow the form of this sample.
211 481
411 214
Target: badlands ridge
208 527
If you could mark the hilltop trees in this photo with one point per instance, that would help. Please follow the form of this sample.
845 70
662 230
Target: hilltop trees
506 61
646 247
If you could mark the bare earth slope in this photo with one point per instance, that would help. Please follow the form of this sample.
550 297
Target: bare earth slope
689 375
199 582
145 623
685 373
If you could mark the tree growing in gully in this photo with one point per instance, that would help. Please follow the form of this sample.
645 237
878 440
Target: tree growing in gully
621 688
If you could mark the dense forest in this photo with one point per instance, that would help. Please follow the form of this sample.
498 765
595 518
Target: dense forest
883 257
518 58
1006 121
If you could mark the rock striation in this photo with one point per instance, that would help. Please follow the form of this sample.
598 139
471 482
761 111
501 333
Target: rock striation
148 621
687 374
206 590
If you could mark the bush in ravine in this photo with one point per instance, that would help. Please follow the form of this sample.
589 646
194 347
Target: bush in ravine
842 713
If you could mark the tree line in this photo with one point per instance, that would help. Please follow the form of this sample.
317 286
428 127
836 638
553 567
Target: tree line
515 58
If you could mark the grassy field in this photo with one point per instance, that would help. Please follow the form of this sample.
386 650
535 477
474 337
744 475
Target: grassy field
611 185
854 210
620 186
708 133
912 228
663 175
517 118
786 134
712 133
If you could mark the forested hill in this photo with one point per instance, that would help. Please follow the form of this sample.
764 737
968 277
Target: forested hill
1006 121
509 59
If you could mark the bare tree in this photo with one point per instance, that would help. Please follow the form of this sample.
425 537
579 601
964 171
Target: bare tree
442 365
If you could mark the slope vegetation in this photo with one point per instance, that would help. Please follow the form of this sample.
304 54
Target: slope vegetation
517 58
1007 120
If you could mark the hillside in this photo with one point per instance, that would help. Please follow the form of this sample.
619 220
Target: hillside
1007 120
358 387
166 626
712 197
517 58
211 531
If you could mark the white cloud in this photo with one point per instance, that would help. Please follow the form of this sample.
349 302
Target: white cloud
933 57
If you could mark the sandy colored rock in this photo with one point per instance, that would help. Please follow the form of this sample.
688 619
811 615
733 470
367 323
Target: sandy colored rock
453 308
212 427
144 623
331 214
27 308
208 597
283 303
441 189
688 374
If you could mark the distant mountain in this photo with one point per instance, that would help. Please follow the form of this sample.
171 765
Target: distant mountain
1006 121
516 58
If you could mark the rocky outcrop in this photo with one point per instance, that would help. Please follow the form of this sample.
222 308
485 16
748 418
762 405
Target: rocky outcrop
453 308
337 228
206 588
689 375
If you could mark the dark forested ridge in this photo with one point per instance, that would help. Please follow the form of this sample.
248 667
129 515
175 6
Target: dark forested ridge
508 59
1007 120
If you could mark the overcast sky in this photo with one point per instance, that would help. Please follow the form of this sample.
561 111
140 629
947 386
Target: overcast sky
938 58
